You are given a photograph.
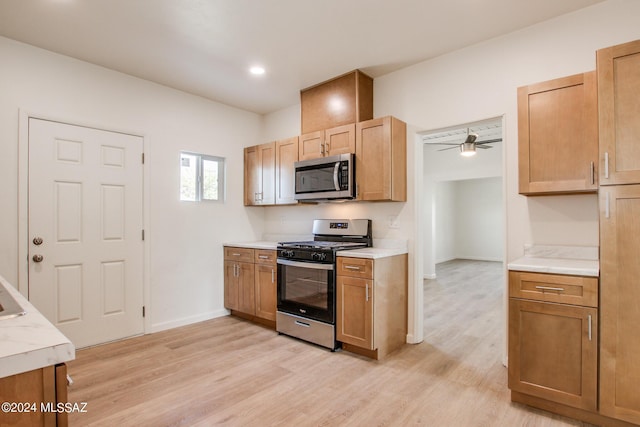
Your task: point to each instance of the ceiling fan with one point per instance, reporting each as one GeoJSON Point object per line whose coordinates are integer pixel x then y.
{"type": "Point", "coordinates": [468, 147]}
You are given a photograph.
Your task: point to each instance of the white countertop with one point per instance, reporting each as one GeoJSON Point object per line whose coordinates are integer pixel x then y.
{"type": "Point", "coordinates": [573, 261]}
{"type": "Point", "coordinates": [572, 267]}
{"type": "Point", "coordinates": [254, 245]}
{"type": "Point", "coordinates": [373, 253]}
{"type": "Point", "coordinates": [30, 342]}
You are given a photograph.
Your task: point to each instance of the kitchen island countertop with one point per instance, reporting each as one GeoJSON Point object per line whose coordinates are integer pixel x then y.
{"type": "Point", "coordinates": [30, 342]}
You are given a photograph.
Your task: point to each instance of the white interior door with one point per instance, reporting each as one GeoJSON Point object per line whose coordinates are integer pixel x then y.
{"type": "Point", "coordinates": [85, 230]}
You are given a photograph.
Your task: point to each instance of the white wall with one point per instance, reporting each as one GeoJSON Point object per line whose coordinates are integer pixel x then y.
{"type": "Point", "coordinates": [469, 221]}
{"type": "Point", "coordinates": [184, 240]}
{"type": "Point", "coordinates": [479, 219]}
{"type": "Point", "coordinates": [477, 83]}
{"type": "Point", "coordinates": [444, 232]}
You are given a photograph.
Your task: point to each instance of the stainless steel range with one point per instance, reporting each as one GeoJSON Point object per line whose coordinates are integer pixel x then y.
{"type": "Point", "coordinates": [307, 279]}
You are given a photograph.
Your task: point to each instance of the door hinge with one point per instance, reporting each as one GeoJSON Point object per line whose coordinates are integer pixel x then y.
{"type": "Point", "coordinates": [143, 158]}
{"type": "Point", "coordinates": [142, 234]}
{"type": "Point", "coordinates": [143, 311]}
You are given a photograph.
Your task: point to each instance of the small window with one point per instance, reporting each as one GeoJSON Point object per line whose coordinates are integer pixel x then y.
{"type": "Point", "coordinates": [201, 177]}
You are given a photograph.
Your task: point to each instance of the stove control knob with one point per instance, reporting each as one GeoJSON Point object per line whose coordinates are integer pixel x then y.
{"type": "Point", "coordinates": [318, 256]}
{"type": "Point", "coordinates": [287, 253]}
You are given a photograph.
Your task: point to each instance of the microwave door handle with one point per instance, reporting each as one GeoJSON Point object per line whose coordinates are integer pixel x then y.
{"type": "Point", "coordinates": [336, 170]}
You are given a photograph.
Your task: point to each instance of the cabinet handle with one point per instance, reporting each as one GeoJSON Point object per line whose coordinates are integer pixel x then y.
{"type": "Point", "coordinates": [357, 190]}
{"type": "Point", "coordinates": [236, 267]}
{"type": "Point", "coordinates": [326, 147]}
{"type": "Point", "coordinates": [235, 254]}
{"type": "Point", "coordinates": [606, 165]}
{"type": "Point", "coordinates": [352, 267]}
{"type": "Point", "coordinates": [593, 174]}
{"type": "Point", "coordinates": [607, 209]}
{"type": "Point", "coordinates": [263, 256]}
{"type": "Point", "coordinates": [322, 149]}
{"type": "Point", "coordinates": [273, 276]}
{"type": "Point", "coordinates": [589, 327]}
{"type": "Point", "coordinates": [366, 290]}
{"type": "Point", "coordinates": [549, 288]}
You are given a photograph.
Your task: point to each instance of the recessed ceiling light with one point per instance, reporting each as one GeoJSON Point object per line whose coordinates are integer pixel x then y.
{"type": "Point", "coordinates": [256, 70]}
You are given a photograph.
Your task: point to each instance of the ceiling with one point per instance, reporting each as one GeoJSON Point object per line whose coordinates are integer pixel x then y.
{"type": "Point", "coordinates": [205, 47]}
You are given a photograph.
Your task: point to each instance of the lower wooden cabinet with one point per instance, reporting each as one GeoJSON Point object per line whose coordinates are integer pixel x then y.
{"type": "Point", "coordinates": [45, 388]}
{"type": "Point", "coordinates": [553, 352]}
{"type": "Point", "coordinates": [371, 304]}
{"type": "Point", "coordinates": [250, 283]}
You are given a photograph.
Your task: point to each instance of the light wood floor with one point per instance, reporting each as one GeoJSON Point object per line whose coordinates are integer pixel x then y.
{"type": "Point", "coordinates": [231, 372]}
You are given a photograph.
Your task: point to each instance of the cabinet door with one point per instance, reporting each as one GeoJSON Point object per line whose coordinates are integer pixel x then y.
{"type": "Point", "coordinates": [265, 291]}
{"type": "Point", "coordinates": [267, 173]}
{"type": "Point", "coordinates": [355, 311]}
{"type": "Point", "coordinates": [239, 286]}
{"type": "Point", "coordinates": [553, 352]}
{"type": "Point", "coordinates": [259, 174]}
{"type": "Point", "coordinates": [620, 302]}
{"type": "Point", "coordinates": [252, 183]}
{"type": "Point", "coordinates": [381, 160]}
{"type": "Point", "coordinates": [286, 156]}
{"type": "Point", "coordinates": [340, 140]}
{"type": "Point", "coordinates": [246, 288]}
{"type": "Point", "coordinates": [558, 135]}
{"type": "Point", "coordinates": [231, 285]}
{"type": "Point", "coordinates": [619, 113]}
{"type": "Point", "coordinates": [311, 145]}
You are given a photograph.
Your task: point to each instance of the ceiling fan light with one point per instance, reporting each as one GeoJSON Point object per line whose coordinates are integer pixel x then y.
{"type": "Point", "coordinates": [467, 149]}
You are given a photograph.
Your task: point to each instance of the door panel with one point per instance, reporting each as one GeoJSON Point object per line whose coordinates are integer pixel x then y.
{"type": "Point", "coordinates": [85, 202]}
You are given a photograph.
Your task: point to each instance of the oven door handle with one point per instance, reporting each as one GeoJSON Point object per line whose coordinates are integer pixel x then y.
{"type": "Point", "coordinates": [312, 265]}
{"type": "Point", "coordinates": [336, 171]}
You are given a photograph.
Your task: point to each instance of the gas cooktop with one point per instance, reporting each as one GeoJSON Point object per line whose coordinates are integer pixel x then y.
{"type": "Point", "coordinates": [320, 245]}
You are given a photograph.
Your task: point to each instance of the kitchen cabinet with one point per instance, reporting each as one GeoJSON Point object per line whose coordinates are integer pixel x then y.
{"type": "Point", "coordinates": [619, 113]}
{"type": "Point", "coordinates": [553, 338]}
{"type": "Point", "coordinates": [239, 283]}
{"type": "Point", "coordinates": [371, 304]}
{"type": "Point", "coordinates": [286, 156]}
{"type": "Point", "coordinates": [260, 174]}
{"type": "Point", "coordinates": [250, 283]}
{"type": "Point", "coordinates": [44, 388]}
{"type": "Point", "coordinates": [342, 100]}
{"type": "Point", "coordinates": [265, 284]}
{"type": "Point", "coordinates": [620, 302]}
{"type": "Point", "coordinates": [329, 142]}
{"type": "Point", "coordinates": [558, 136]}
{"type": "Point", "coordinates": [381, 160]}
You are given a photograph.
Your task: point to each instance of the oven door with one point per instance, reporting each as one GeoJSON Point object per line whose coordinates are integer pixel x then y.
{"type": "Point", "coordinates": [307, 289]}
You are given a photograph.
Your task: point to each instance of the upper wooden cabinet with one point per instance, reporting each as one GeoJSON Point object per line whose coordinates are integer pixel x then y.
{"type": "Point", "coordinates": [286, 156]}
{"type": "Point", "coordinates": [619, 113]}
{"type": "Point", "coordinates": [381, 160]}
{"type": "Point", "coordinates": [330, 142]}
{"type": "Point", "coordinates": [260, 174]}
{"type": "Point", "coordinates": [336, 102]}
{"type": "Point", "coordinates": [558, 136]}
{"type": "Point", "coordinates": [269, 173]}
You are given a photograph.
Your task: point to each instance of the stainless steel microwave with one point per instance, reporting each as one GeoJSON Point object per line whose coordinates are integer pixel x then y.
{"type": "Point", "coordinates": [326, 178]}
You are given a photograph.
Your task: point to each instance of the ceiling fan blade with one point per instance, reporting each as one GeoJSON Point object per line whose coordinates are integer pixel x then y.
{"type": "Point", "coordinates": [443, 143]}
{"type": "Point", "coordinates": [450, 148]}
{"type": "Point", "coordinates": [484, 147]}
{"type": "Point", "coordinates": [490, 141]}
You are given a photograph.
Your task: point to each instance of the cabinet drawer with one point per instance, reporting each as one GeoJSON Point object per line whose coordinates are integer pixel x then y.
{"type": "Point", "coordinates": [265, 256]}
{"type": "Point", "coordinates": [238, 254]}
{"type": "Point", "coordinates": [355, 267]}
{"type": "Point", "coordinates": [575, 290]}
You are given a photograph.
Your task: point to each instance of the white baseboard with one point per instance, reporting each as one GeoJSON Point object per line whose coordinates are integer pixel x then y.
{"type": "Point", "coordinates": [163, 326]}
{"type": "Point", "coordinates": [479, 258]}
{"type": "Point", "coordinates": [430, 276]}
{"type": "Point", "coordinates": [411, 339]}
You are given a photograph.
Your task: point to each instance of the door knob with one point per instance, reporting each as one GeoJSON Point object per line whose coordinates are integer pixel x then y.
{"type": "Point", "coordinates": [37, 258]}
{"type": "Point", "coordinates": [37, 241]}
